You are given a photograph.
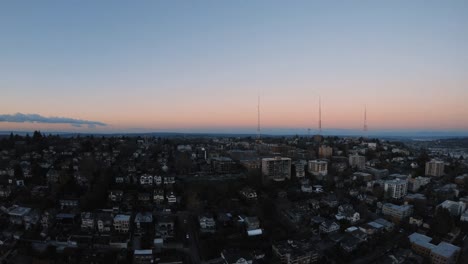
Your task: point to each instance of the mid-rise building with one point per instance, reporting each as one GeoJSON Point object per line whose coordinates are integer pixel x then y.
{"type": "Point", "coordinates": [396, 188]}
{"type": "Point", "coordinates": [455, 208]}
{"type": "Point", "coordinates": [318, 168]}
{"type": "Point", "coordinates": [397, 212]}
{"type": "Point", "coordinates": [357, 161]}
{"type": "Point", "coordinates": [325, 152]}
{"type": "Point", "coordinates": [295, 252]}
{"type": "Point", "coordinates": [122, 223]}
{"type": "Point", "coordinates": [223, 165]}
{"type": "Point", "coordinates": [435, 168]}
{"type": "Point", "coordinates": [276, 169]}
{"type": "Point", "coordinates": [300, 168]}
{"type": "Point", "coordinates": [415, 183]}
{"type": "Point", "coordinates": [443, 253]}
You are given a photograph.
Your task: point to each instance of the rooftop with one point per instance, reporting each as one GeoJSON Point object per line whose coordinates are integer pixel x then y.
{"type": "Point", "coordinates": [445, 249]}
{"type": "Point", "coordinates": [18, 211]}
{"type": "Point", "coordinates": [122, 217]}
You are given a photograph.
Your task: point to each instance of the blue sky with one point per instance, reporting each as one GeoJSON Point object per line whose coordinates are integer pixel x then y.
{"type": "Point", "coordinates": [199, 65]}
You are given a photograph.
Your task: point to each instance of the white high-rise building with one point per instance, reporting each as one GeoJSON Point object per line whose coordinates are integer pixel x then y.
{"type": "Point", "coordinates": [276, 169]}
{"type": "Point", "coordinates": [396, 188]}
{"type": "Point", "coordinates": [435, 168]}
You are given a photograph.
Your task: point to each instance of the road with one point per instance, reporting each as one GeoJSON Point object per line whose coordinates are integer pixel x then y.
{"type": "Point", "coordinates": [190, 226]}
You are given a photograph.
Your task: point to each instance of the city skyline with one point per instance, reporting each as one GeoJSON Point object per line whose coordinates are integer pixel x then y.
{"type": "Point", "coordinates": [198, 67]}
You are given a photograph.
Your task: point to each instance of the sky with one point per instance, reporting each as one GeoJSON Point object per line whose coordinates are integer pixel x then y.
{"type": "Point", "coordinates": [199, 66]}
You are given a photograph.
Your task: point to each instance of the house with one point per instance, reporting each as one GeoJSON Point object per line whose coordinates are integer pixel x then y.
{"type": "Point", "coordinates": [143, 256]}
{"type": "Point", "coordinates": [120, 179]}
{"type": "Point", "coordinates": [171, 198]}
{"type": "Point", "coordinates": [17, 214]}
{"type": "Point", "coordinates": [464, 216]}
{"type": "Point", "coordinates": [115, 195]}
{"type": "Point", "coordinates": [169, 180]}
{"type": "Point", "coordinates": [388, 226]}
{"type": "Point", "coordinates": [53, 176]}
{"type": "Point", "coordinates": [104, 222]}
{"type": "Point", "coordinates": [207, 223]}
{"type": "Point", "coordinates": [122, 223]}
{"type": "Point", "coordinates": [248, 193]}
{"type": "Point", "coordinates": [143, 221]}
{"type": "Point", "coordinates": [349, 243]}
{"type": "Point", "coordinates": [329, 226]}
{"type": "Point", "coordinates": [371, 228]}
{"type": "Point", "coordinates": [5, 192]}
{"type": "Point", "coordinates": [146, 179]}
{"type": "Point", "coordinates": [119, 241]}
{"type": "Point", "coordinates": [347, 212]}
{"type": "Point", "coordinates": [330, 200]}
{"type": "Point", "coordinates": [31, 219]}
{"type": "Point", "coordinates": [306, 188]}
{"type": "Point", "coordinates": [144, 197]}
{"type": "Point", "coordinates": [165, 226]}
{"type": "Point", "coordinates": [233, 256]}
{"type": "Point", "coordinates": [87, 221]}
{"type": "Point", "coordinates": [158, 180]}
{"type": "Point", "coordinates": [158, 196]}
{"type": "Point", "coordinates": [66, 219]}
{"type": "Point", "coordinates": [47, 219]}
{"type": "Point", "coordinates": [68, 203]}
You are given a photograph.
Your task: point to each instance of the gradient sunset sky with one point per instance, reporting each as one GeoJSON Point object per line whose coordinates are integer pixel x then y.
{"type": "Point", "coordinates": [198, 66]}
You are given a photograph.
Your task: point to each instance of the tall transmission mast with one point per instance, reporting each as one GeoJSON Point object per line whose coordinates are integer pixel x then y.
{"type": "Point", "coordinates": [365, 118]}
{"type": "Point", "coordinates": [258, 119]}
{"type": "Point", "coordinates": [320, 116]}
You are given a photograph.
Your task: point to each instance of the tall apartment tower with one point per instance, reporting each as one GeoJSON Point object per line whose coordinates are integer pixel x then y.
{"type": "Point", "coordinates": [276, 169]}
{"type": "Point", "coordinates": [435, 168]}
{"type": "Point", "coordinates": [325, 152]}
{"type": "Point", "coordinates": [357, 161]}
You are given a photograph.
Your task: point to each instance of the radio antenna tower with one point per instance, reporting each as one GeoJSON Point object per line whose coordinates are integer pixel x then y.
{"type": "Point", "coordinates": [320, 116]}
{"type": "Point", "coordinates": [258, 119]}
{"type": "Point", "coordinates": [365, 119]}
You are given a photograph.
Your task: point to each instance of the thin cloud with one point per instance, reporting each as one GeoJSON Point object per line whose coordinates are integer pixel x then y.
{"type": "Point", "coordinates": [35, 118]}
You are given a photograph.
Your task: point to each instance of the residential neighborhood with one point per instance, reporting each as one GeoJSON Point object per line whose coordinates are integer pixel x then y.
{"type": "Point", "coordinates": [297, 199]}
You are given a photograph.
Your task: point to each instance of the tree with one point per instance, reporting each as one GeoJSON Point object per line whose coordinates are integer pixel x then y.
{"type": "Point", "coordinates": [37, 136]}
{"type": "Point", "coordinates": [18, 172]}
